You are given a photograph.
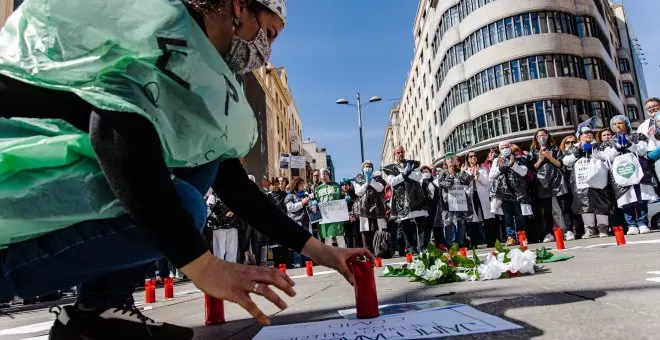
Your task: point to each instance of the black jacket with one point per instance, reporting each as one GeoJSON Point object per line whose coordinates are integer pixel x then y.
{"type": "Point", "coordinates": [407, 196]}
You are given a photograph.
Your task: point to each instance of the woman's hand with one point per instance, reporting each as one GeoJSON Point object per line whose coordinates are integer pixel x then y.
{"type": "Point", "coordinates": [235, 282]}
{"type": "Point", "coordinates": [336, 258]}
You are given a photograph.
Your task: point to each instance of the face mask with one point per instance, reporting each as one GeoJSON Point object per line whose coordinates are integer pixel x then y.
{"type": "Point", "coordinates": [367, 171]}
{"type": "Point", "coordinates": [506, 152]}
{"type": "Point", "coordinates": [542, 140]}
{"type": "Point", "coordinates": [426, 175]}
{"type": "Point", "coordinates": [245, 56]}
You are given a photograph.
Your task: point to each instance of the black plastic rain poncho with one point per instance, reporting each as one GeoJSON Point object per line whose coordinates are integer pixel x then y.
{"type": "Point", "coordinates": [407, 196]}
{"type": "Point", "coordinates": [587, 200]}
{"type": "Point", "coordinates": [372, 203]}
{"type": "Point", "coordinates": [508, 185]}
{"type": "Point", "coordinates": [548, 179]}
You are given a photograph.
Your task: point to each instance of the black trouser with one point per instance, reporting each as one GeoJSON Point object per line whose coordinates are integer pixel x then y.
{"type": "Point", "coordinates": [257, 244]}
{"type": "Point", "coordinates": [351, 235]}
{"type": "Point", "coordinates": [565, 202]}
{"type": "Point", "coordinates": [368, 239]}
{"type": "Point", "coordinates": [412, 231]}
{"type": "Point", "coordinates": [397, 240]}
{"type": "Point", "coordinates": [545, 207]}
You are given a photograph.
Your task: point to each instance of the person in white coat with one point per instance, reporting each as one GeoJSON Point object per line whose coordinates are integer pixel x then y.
{"type": "Point", "coordinates": [479, 191]}
{"type": "Point", "coordinates": [652, 106]}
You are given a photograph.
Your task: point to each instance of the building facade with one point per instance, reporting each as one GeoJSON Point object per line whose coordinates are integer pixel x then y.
{"type": "Point", "coordinates": [317, 156]}
{"type": "Point", "coordinates": [485, 71]}
{"type": "Point", "coordinates": [6, 8]}
{"type": "Point", "coordinates": [284, 128]}
{"type": "Point", "coordinates": [391, 137]}
{"type": "Point", "coordinates": [630, 66]}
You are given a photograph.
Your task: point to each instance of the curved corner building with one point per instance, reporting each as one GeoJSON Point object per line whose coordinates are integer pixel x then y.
{"type": "Point", "coordinates": [491, 70]}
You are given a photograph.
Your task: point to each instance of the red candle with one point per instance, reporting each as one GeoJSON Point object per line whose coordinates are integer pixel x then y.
{"type": "Point", "coordinates": [559, 238]}
{"type": "Point", "coordinates": [463, 252]}
{"type": "Point", "coordinates": [283, 267]}
{"type": "Point", "coordinates": [366, 299]}
{"type": "Point", "coordinates": [149, 291]}
{"type": "Point", "coordinates": [409, 258]}
{"type": "Point", "coordinates": [619, 236]}
{"type": "Point", "coordinates": [379, 262]}
{"type": "Point", "coordinates": [168, 285]}
{"type": "Point", "coordinates": [522, 239]}
{"type": "Point", "coordinates": [214, 310]}
{"type": "Point", "coordinates": [310, 268]}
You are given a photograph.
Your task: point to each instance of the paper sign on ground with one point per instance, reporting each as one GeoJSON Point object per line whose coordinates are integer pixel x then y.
{"type": "Point", "coordinates": [334, 211]}
{"type": "Point", "coordinates": [399, 308]}
{"type": "Point", "coordinates": [435, 323]}
{"type": "Point", "coordinates": [298, 162]}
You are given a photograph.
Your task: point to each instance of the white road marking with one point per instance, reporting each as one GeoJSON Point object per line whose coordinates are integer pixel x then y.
{"type": "Point", "coordinates": [654, 279]}
{"type": "Point", "coordinates": [654, 273]}
{"type": "Point", "coordinates": [33, 328]}
{"type": "Point", "coordinates": [43, 337]}
{"type": "Point", "coordinates": [315, 274]}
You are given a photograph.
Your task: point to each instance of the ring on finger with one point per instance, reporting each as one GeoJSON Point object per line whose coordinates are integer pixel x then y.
{"type": "Point", "coordinates": [255, 288]}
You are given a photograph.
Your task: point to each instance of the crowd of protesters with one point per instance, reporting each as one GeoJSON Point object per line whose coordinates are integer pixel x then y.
{"type": "Point", "coordinates": [575, 184]}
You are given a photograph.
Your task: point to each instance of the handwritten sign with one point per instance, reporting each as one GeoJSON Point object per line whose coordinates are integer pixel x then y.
{"type": "Point", "coordinates": [334, 211]}
{"type": "Point", "coordinates": [582, 173]}
{"type": "Point", "coordinates": [298, 162]}
{"type": "Point", "coordinates": [457, 199]}
{"type": "Point", "coordinates": [442, 322]}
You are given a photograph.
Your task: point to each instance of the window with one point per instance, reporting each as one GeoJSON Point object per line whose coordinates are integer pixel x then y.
{"type": "Point", "coordinates": [507, 74]}
{"type": "Point", "coordinates": [524, 70]}
{"type": "Point", "coordinates": [624, 65]}
{"type": "Point", "coordinates": [492, 29]}
{"type": "Point", "coordinates": [588, 69]}
{"type": "Point", "coordinates": [501, 35]}
{"type": "Point", "coordinates": [541, 64]}
{"type": "Point", "coordinates": [527, 29]}
{"type": "Point", "coordinates": [628, 89]}
{"type": "Point", "coordinates": [517, 23]}
{"type": "Point", "coordinates": [499, 77]}
{"type": "Point", "coordinates": [540, 116]}
{"type": "Point", "coordinates": [536, 28]}
{"type": "Point", "coordinates": [632, 112]}
{"type": "Point", "coordinates": [533, 72]}
{"type": "Point", "coordinates": [508, 23]}
{"type": "Point", "coordinates": [515, 71]}
{"type": "Point", "coordinates": [531, 116]}
{"type": "Point", "coordinates": [550, 66]}
{"type": "Point", "coordinates": [513, 117]}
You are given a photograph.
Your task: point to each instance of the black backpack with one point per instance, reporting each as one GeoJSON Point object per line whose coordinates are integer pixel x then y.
{"type": "Point", "coordinates": [383, 244]}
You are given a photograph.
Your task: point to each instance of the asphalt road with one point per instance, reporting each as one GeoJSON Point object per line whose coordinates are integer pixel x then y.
{"type": "Point", "coordinates": [604, 292]}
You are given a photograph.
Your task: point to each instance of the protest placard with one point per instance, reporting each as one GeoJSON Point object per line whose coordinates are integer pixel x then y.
{"type": "Point", "coordinates": [457, 198]}
{"type": "Point", "coordinates": [334, 211]}
{"type": "Point", "coordinates": [298, 162]}
{"type": "Point", "coordinates": [314, 212]}
{"type": "Point", "coordinates": [285, 160]}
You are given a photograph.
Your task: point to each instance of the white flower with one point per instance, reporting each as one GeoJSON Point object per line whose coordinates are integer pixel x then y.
{"type": "Point", "coordinates": [386, 270]}
{"type": "Point", "coordinates": [491, 269]}
{"type": "Point", "coordinates": [418, 267]}
{"type": "Point", "coordinates": [439, 263]}
{"type": "Point", "coordinates": [433, 273]}
{"type": "Point", "coordinates": [465, 276]}
{"type": "Point", "coordinates": [522, 262]}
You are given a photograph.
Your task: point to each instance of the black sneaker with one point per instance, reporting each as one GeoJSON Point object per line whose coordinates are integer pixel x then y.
{"type": "Point", "coordinates": [111, 324]}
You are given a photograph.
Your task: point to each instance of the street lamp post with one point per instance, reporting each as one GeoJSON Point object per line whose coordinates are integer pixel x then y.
{"type": "Point", "coordinates": [373, 99]}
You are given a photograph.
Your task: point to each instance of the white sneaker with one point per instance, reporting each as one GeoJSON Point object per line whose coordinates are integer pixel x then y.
{"type": "Point", "coordinates": [549, 238]}
{"type": "Point", "coordinates": [569, 236]}
{"type": "Point", "coordinates": [644, 229]}
{"type": "Point", "coordinates": [633, 231]}
{"type": "Point", "coordinates": [602, 232]}
{"type": "Point", "coordinates": [588, 233]}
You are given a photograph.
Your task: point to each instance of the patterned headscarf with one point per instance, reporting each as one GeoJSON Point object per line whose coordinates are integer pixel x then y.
{"type": "Point", "coordinates": [277, 6]}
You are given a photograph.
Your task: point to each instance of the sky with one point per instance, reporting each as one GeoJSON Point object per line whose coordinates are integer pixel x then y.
{"type": "Point", "coordinates": [334, 49]}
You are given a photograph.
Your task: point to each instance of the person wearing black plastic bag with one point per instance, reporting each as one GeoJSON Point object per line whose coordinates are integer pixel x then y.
{"type": "Point", "coordinates": [591, 200]}
{"type": "Point", "coordinates": [549, 182]}
{"type": "Point", "coordinates": [370, 187]}
{"type": "Point", "coordinates": [409, 204]}
{"type": "Point", "coordinates": [135, 153]}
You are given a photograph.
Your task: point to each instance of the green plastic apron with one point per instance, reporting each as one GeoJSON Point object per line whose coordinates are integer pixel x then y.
{"type": "Point", "coordinates": [144, 57]}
